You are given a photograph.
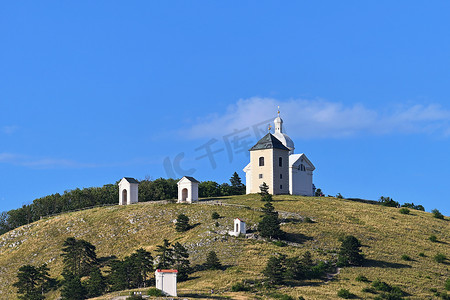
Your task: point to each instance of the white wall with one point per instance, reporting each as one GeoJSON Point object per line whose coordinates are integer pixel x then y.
{"type": "Point", "coordinates": [166, 282]}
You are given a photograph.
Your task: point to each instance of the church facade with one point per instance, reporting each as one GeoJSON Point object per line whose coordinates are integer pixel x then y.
{"type": "Point", "coordinates": [272, 160]}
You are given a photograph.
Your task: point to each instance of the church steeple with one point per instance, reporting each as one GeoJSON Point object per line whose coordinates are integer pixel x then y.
{"type": "Point", "coordinates": [278, 123]}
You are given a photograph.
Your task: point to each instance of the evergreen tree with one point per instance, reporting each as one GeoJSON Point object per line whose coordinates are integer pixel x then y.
{"type": "Point", "coordinates": [212, 261]}
{"type": "Point", "coordinates": [269, 226]}
{"type": "Point", "coordinates": [181, 261]}
{"type": "Point", "coordinates": [350, 252]}
{"type": "Point", "coordinates": [264, 192]}
{"type": "Point", "coordinates": [119, 275]}
{"type": "Point", "coordinates": [79, 257]}
{"type": "Point", "coordinates": [96, 284]}
{"type": "Point", "coordinates": [182, 223]}
{"type": "Point", "coordinates": [72, 288]}
{"type": "Point", "coordinates": [165, 256]}
{"type": "Point", "coordinates": [33, 282]}
{"type": "Point", "coordinates": [236, 185]}
{"type": "Point", "coordinates": [274, 270]}
{"type": "Point", "coordinates": [142, 265]}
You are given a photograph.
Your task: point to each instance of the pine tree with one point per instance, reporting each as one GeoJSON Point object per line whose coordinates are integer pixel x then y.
{"type": "Point", "coordinates": [165, 256]}
{"type": "Point", "coordinates": [182, 223]}
{"type": "Point", "coordinates": [181, 261]}
{"type": "Point", "coordinates": [27, 283]}
{"type": "Point", "coordinates": [119, 275]}
{"type": "Point", "coordinates": [212, 261]}
{"type": "Point", "coordinates": [96, 284]}
{"type": "Point", "coordinates": [142, 264]}
{"type": "Point", "coordinates": [236, 185]}
{"type": "Point", "coordinates": [264, 192]}
{"type": "Point", "coordinates": [269, 226]}
{"type": "Point", "coordinates": [72, 288]}
{"type": "Point", "coordinates": [274, 270]}
{"type": "Point", "coordinates": [350, 252]}
{"type": "Point", "coordinates": [79, 257]}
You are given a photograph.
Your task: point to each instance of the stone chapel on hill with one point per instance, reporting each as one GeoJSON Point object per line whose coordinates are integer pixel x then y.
{"type": "Point", "coordinates": [272, 160]}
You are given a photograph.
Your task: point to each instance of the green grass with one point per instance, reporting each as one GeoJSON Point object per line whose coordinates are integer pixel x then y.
{"type": "Point", "coordinates": [385, 234]}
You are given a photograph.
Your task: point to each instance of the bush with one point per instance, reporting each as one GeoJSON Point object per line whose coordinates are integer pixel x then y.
{"type": "Point", "coordinates": [381, 286]}
{"type": "Point", "coordinates": [440, 258]}
{"type": "Point", "coordinates": [413, 206]}
{"type": "Point", "coordinates": [447, 285]}
{"type": "Point", "coordinates": [217, 224]}
{"type": "Point", "coordinates": [344, 293]}
{"type": "Point", "coordinates": [215, 215]}
{"type": "Point", "coordinates": [155, 292]}
{"type": "Point", "coordinates": [368, 290]}
{"type": "Point", "coordinates": [279, 243]}
{"type": "Point", "coordinates": [362, 278]}
{"type": "Point", "coordinates": [421, 254]}
{"type": "Point", "coordinates": [437, 214]}
{"type": "Point", "coordinates": [404, 211]}
{"type": "Point", "coordinates": [182, 223]}
{"type": "Point", "coordinates": [308, 220]}
{"type": "Point", "coordinates": [433, 238]}
{"type": "Point", "coordinates": [387, 201]}
{"type": "Point", "coordinates": [239, 287]}
{"type": "Point", "coordinates": [406, 257]}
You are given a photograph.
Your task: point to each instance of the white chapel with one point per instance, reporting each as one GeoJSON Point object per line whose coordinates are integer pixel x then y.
{"type": "Point", "coordinates": [272, 160]}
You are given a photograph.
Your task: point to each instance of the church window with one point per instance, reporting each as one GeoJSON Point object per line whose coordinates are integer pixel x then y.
{"type": "Point", "coordinates": [281, 176]}
{"type": "Point", "coordinates": [261, 161]}
{"type": "Point", "coordinates": [260, 176]}
{"type": "Point", "coordinates": [280, 161]}
{"type": "Point", "coordinates": [281, 186]}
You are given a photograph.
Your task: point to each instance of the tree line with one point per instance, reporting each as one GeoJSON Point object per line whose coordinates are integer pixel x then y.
{"type": "Point", "coordinates": [149, 190]}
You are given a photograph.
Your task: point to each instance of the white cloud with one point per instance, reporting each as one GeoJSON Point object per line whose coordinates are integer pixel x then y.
{"type": "Point", "coordinates": [324, 119]}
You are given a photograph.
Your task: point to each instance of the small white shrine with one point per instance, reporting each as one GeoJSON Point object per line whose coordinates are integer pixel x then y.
{"type": "Point", "coordinates": [238, 227]}
{"type": "Point", "coordinates": [187, 190]}
{"type": "Point", "coordinates": [128, 191]}
{"type": "Point", "coordinates": [166, 281]}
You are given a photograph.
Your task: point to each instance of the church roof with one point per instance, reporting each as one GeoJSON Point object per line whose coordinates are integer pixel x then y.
{"type": "Point", "coordinates": [269, 142]}
{"type": "Point", "coordinates": [131, 180]}
{"type": "Point", "coordinates": [192, 179]}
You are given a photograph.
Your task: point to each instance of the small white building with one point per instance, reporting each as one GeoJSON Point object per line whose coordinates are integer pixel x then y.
{"type": "Point", "coordinates": [166, 281]}
{"type": "Point", "coordinates": [238, 227]}
{"type": "Point", "coordinates": [128, 191]}
{"type": "Point", "coordinates": [187, 190]}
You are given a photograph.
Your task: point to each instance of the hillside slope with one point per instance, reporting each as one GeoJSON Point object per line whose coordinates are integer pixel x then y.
{"type": "Point", "coordinates": [119, 230]}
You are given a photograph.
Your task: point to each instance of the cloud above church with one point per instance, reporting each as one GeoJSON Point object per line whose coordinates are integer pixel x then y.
{"type": "Point", "coordinates": [324, 119]}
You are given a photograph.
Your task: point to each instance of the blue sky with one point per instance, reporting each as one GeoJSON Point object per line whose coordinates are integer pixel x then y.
{"type": "Point", "coordinates": [91, 91]}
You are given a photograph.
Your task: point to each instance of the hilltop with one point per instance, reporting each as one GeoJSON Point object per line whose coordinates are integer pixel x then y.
{"type": "Point", "coordinates": [386, 235]}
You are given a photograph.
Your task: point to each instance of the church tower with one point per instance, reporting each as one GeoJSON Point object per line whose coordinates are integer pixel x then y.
{"type": "Point", "coordinates": [269, 163]}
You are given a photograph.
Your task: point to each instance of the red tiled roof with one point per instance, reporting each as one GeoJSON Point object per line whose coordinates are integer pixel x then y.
{"type": "Point", "coordinates": [167, 271]}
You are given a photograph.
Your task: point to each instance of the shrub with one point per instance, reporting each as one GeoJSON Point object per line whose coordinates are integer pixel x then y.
{"type": "Point", "coordinates": [155, 292]}
{"type": "Point", "coordinates": [217, 224]}
{"type": "Point", "coordinates": [437, 214]}
{"type": "Point", "coordinates": [344, 293]}
{"type": "Point", "coordinates": [308, 220]}
{"type": "Point", "coordinates": [404, 211]}
{"type": "Point", "coordinates": [368, 290]}
{"type": "Point", "coordinates": [447, 285]}
{"type": "Point", "coordinates": [381, 286]}
{"type": "Point", "coordinates": [212, 261]}
{"type": "Point", "coordinates": [182, 223]}
{"type": "Point", "coordinates": [421, 254]}
{"type": "Point", "coordinates": [433, 238]}
{"type": "Point", "coordinates": [279, 243]}
{"type": "Point", "coordinates": [239, 287]}
{"type": "Point", "coordinates": [215, 215]}
{"type": "Point", "coordinates": [406, 257]}
{"type": "Point", "coordinates": [440, 258]}
{"type": "Point", "coordinates": [362, 278]}
{"type": "Point", "coordinates": [413, 206]}
{"type": "Point", "coordinates": [350, 252]}
{"type": "Point", "coordinates": [387, 201]}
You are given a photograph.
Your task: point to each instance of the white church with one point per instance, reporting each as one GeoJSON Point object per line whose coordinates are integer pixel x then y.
{"type": "Point", "coordinates": [272, 160]}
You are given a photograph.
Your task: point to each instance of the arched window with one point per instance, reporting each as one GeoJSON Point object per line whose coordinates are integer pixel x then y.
{"type": "Point", "coordinates": [280, 161]}
{"type": "Point", "coordinates": [261, 161]}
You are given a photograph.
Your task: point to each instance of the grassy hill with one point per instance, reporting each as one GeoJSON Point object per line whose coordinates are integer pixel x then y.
{"type": "Point", "coordinates": [119, 230]}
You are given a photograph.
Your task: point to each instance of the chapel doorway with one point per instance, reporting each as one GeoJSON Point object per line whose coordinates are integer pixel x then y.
{"type": "Point", "coordinates": [184, 194]}
{"type": "Point", "coordinates": [124, 197]}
